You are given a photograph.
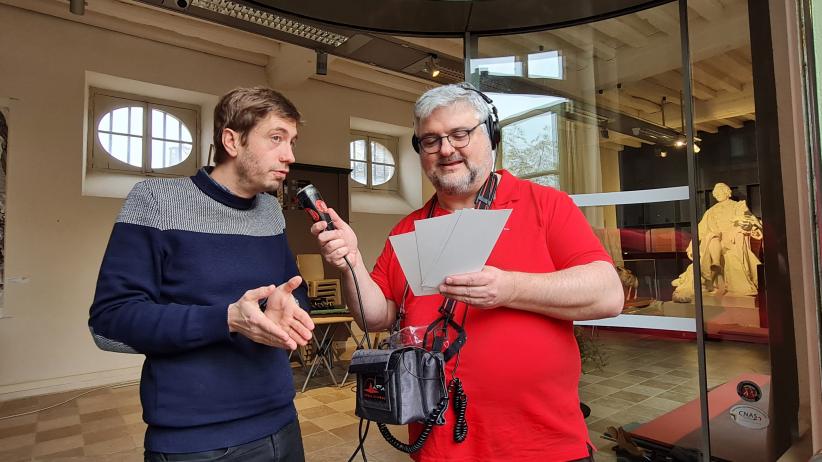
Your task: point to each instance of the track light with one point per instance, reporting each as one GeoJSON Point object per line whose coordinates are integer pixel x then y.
{"type": "Point", "coordinates": [322, 63]}
{"type": "Point", "coordinates": [77, 7]}
{"type": "Point", "coordinates": [433, 65]}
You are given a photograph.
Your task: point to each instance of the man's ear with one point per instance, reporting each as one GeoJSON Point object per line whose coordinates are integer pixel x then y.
{"type": "Point", "coordinates": [231, 142]}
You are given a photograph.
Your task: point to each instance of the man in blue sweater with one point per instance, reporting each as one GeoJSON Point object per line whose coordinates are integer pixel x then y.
{"type": "Point", "coordinates": [189, 265]}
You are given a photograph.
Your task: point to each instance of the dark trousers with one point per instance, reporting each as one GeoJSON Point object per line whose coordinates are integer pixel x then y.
{"type": "Point", "coordinates": [284, 446]}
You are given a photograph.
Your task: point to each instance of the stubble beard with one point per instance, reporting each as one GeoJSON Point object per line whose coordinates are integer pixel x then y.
{"type": "Point", "coordinates": [253, 175]}
{"type": "Point", "coordinates": [456, 183]}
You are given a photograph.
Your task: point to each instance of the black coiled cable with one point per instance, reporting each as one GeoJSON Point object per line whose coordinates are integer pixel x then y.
{"type": "Point", "coordinates": [460, 406]}
{"type": "Point", "coordinates": [424, 434]}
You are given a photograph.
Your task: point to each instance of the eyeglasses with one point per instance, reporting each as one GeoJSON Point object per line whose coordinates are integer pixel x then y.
{"type": "Point", "coordinates": [458, 139]}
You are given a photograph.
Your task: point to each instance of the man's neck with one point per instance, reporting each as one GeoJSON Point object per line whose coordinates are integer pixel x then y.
{"type": "Point", "coordinates": [453, 202]}
{"type": "Point", "coordinates": [228, 179]}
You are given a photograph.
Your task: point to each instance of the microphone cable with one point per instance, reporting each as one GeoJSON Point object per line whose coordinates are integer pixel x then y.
{"type": "Point", "coordinates": [362, 435]}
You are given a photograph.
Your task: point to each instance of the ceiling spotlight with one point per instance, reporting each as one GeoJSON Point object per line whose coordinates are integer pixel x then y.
{"type": "Point", "coordinates": [434, 65]}
{"type": "Point", "coordinates": [663, 154]}
{"type": "Point", "coordinates": [696, 148]}
{"type": "Point", "coordinates": [322, 63]}
{"type": "Point", "coordinates": [77, 6]}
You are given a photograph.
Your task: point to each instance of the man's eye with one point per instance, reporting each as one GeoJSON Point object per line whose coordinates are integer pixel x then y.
{"type": "Point", "coordinates": [459, 135]}
{"type": "Point", "coordinates": [277, 138]}
{"type": "Point", "coordinates": [429, 141]}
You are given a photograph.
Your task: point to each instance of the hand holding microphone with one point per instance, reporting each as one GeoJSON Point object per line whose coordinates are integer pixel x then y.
{"type": "Point", "coordinates": [313, 203]}
{"type": "Point", "coordinates": [340, 241]}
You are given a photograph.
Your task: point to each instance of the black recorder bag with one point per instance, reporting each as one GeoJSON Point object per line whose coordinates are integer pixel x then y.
{"type": "Point", "coordinates": [399, 386]}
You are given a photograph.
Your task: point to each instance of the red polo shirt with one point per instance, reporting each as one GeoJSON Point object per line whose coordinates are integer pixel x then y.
{"type": "Point", "coordinates": [520, 370]}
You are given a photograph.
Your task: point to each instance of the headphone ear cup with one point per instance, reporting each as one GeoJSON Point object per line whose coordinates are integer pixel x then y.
{"type": "Point", "coordinates": [415, 143]}
{"type": "Point", "coordinates": [493, 131]}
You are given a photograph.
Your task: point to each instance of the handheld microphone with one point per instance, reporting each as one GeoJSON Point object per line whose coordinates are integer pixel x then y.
{"type": "Point", "coordinates": [313, 203]}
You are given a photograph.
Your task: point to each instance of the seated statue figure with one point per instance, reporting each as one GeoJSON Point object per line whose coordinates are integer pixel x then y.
{"type": "Point", "coordinates": [728, 265]}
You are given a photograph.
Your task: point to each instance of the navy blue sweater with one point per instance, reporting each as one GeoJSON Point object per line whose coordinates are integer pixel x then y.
{"type": "Point", "coordinates": [180, 252]}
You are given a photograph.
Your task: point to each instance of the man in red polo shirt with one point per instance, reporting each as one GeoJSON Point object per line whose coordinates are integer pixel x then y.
{"type": "Point", "coordinates": [520, 366]}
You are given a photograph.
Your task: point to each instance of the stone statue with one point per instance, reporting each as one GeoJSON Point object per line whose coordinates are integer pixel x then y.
{"type": "Point", "coordinates": [728, 265]}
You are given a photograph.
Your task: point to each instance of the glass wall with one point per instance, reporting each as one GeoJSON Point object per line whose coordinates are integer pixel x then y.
{"type": "Point", "coordinates": [598, 111]}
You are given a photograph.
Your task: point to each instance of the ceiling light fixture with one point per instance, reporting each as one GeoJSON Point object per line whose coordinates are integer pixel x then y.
{"type": "Point", "coordinates": [432, 65]}
{"type": "Point", "coordinates": [270, 20]}
{"type": "Point", "coordinates": [77, 6]}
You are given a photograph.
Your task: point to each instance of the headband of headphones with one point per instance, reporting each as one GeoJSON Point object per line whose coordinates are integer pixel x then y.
{"type": "Point", "coordinates": [492, 122]}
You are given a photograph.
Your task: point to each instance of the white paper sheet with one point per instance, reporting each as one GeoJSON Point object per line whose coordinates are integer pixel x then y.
{"type": "Point", "coordinates": [469, 246]}
{"type": "Point", "coordinates": [433, 235]}
{"type": "Point", "coordinates": [460, 242]}
{"type": "Point", "coordinates": [405, 246]}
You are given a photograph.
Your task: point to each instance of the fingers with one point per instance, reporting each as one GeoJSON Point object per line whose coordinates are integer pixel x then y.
{"type": "Point", "coordinates": [338, 222]}
{"type": "Point", "coordinates": [304, 318]}
{"type": "Point", "coordinates": [291, 284]}
{"type": "Point", "coordinates": [299, 333]}
{"type": "Point", "coordinates": [318, 227]}
{"type": "Point", "coordinates": [259, 293]}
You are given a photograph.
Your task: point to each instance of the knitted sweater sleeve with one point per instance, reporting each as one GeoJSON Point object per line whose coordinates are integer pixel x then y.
{"type": "Point", "coordinates": [126, 315]}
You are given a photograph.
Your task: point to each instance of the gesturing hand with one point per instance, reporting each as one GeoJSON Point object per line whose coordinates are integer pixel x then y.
{"type": "Point", "coordinates": [489, 288]}
{"type": "Point", "coordinates": [282, 325]}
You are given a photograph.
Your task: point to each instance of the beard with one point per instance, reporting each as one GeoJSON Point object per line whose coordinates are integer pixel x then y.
{"type": "Point", "coordinates": [458, 183]}
{"type": "Point", "coordinates": [254, 175]}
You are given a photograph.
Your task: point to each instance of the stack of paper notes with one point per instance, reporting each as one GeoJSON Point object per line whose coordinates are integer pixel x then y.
{"type": "Point", "coordinates": [457, 243]}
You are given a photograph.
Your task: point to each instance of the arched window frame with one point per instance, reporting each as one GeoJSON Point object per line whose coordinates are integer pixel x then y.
{"type": "Point", "coordinates": [102, 102]}
{"type": "Point", "coordinates": [392, 144]}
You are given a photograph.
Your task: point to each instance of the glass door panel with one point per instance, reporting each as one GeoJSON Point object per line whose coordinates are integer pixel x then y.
{"type": "Point", "coordinates": [598, 111]}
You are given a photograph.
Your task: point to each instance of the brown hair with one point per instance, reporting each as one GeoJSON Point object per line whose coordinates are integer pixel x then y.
{"type": "Point", "coordinates": [241, 109]}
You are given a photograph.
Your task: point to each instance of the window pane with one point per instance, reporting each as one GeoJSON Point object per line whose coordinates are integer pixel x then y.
{"type": "Point", "coordinates": [381, 154]}
{"type": "Point", "coordinates": [531, 145]}
{"type": "Point", "coordinates": [381, 174]}
{"type": "Point", "coordinates": [136, 121]}
{"type": "Point", "coordinates": [358, 171]}
{"type": "Point", "coordinates": [547, 65]}
{"type": "Point", "coordinates": [502, 65]}
{"type": "Point", "coordinates": [135, 151]}
{"type": "Point", "coordinates": [119, 119]}
{"type": "Point", "coordinates": [168, 153]}
{"type": "Point", "coordinates": [547, 180]}
{"type": "Point", "coordinates": [120, 150]}
{"type": "Point", "coordinates": [357, 150]}
{"type": "Point", "coordinates": [172, 152]}
{"type": "Point", "coordinates": [157, 152]}
{"type": "Point", "coordinates": [157, 126]}
{"type": "Point", "coordinates": [105, 123]}
{"type": "Point", "coordinates": [172, 128]}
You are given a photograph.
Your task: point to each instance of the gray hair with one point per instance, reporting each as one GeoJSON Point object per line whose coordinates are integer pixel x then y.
{"type": "Point", "coordinates": [448, 95]}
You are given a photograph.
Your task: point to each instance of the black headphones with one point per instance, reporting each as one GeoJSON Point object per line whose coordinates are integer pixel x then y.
{"type": "Point", "coordinates": [492, 122]}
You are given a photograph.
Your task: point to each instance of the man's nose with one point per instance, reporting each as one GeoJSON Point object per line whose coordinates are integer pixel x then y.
{"type": "Point", "coordinates": [446, 149]}
{"type": "Point", "coordinates": [287, 155]}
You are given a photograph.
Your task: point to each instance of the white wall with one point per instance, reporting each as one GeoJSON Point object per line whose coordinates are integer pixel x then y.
{"type": "Point", "coordinates": [56, 236]}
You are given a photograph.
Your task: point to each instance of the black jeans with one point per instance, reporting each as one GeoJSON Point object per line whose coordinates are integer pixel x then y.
{"type": "Point", "coordinates": [284, 446]}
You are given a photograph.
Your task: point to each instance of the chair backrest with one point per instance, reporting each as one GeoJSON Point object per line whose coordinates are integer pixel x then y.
{"type": "Point", "coordinates": [311, 266]}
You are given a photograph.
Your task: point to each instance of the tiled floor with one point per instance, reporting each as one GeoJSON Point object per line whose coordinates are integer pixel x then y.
{"type": "Point", "coordinates": [644, 377]}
